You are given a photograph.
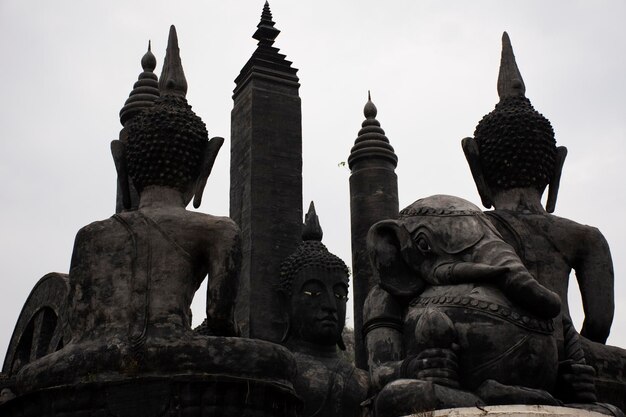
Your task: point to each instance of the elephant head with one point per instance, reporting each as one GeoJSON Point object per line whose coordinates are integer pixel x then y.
{"type": "Point", "coordinates": [445, 240]}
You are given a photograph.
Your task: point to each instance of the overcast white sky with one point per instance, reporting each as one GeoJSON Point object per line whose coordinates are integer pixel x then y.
{"type": "Point", "coordinates": [432, 67]}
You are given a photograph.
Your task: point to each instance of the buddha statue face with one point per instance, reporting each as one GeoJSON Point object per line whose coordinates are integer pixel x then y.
{"type": "Point", "coordinates": [318, 305]}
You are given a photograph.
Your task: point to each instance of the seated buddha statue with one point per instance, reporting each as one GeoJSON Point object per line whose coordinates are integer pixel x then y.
{"type": "Point", "coordinates": [513, 158]}
{"type": "Point", "coordinates": [314, 289]}
{"type": "Point", "coordinates": [133, 276]}
{"type": "Point", "coordinates": [458, 318]}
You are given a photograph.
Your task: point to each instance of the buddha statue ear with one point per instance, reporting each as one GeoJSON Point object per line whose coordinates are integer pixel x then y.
{"type": "Point", "coordinates": [472, 154]}
{"type": "Point", "coordinates": [118, 150]}
{"type": "Point", "coordinates": [206, 165]}
{"type": "Point", "coordinates": [553, 190]}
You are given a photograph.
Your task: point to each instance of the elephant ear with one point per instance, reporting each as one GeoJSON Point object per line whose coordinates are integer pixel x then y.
{"type": "Point", "coordinates": [392, 258]}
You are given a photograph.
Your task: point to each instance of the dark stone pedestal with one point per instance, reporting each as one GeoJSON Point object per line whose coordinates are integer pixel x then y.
{"type": "Point", "coordinates": [186, 396]}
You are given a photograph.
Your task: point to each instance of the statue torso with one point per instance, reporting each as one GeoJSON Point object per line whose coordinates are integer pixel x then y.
{"type": "Point", "coordinates": [133, 271]}
{"type": "Point", "coordinates": [549, 246]}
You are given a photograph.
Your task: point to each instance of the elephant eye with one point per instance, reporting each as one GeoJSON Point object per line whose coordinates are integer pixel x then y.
{"type": "Point", "coordinates": [423, 246]}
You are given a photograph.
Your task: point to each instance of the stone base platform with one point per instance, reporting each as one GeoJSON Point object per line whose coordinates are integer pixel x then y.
{"type": "Point", "coordinates": [511, 411]}
{"type": "Point", "coordinates": [160, 397]}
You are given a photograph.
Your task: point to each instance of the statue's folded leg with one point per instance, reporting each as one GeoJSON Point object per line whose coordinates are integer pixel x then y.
{"type": "Point", "coordinates": [495, 393]}
{"type": "Point", "coordinates": [408, 396]}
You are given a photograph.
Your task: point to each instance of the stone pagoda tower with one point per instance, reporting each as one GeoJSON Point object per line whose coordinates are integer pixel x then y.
{"type": "Point", "coordinates": [373, 197]}
{"type": "Point", "coordinates": [265, 177]}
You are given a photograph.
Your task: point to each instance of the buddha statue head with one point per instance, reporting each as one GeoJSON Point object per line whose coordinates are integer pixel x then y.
{"type": "Point", "coordinates": [513, 146]}
{"type": "Point", "coordinates": [314, 288]}
{"type": "Point", "coordinates": [167, 144]}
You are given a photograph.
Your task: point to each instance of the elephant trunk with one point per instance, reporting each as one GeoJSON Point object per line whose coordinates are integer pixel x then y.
{"type": "Point", "coordinates": [465, 272]}
{"type": "Point", "coordinates": [515, 281]}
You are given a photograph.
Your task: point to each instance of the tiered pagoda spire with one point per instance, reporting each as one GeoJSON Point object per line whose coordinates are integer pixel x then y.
{"type": "Point", "coordinates": [266, 33]}
{"type": "Point", "coordinates": [266, 61]}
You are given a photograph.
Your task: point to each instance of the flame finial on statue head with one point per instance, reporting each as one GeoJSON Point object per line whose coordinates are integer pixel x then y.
{"type": "Point", "coordinates": [510, 82]}
{"type": "Point", "coordinates": [516, 143]}
{"type": "Point", "coordinates": [311, 229]}
{"type": "Point", "coordinates": [172, 80]}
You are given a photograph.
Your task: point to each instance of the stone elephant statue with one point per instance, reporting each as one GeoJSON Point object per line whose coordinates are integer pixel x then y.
{"type": "Point", "coordinates": [456, 319]}
{"type": "Point", "coordinates": [445, 240]}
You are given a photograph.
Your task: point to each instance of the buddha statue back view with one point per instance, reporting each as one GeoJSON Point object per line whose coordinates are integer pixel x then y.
{"type": "Point", "coordinates": [513, 158]}
{"type": "Point", "coordinates": [133, 277]}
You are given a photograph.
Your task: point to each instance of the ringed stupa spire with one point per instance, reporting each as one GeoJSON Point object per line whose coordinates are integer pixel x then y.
{"type": "Point", "coordinates": [145, 91]}
{"type": "Point", "coordinates": [371, 141]}
{"type": "Point", "coordinates": [373, 197]}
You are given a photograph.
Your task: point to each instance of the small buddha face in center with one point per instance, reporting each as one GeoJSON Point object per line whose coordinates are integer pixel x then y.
{"type": "Point", "coordinates": [318, 305]}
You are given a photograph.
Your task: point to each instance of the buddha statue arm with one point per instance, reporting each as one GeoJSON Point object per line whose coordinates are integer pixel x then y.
{"type": "Point", "coordinates": [384, 345]}
{"type": "Point", "coordinates": [224, 268]}
{"type": "Point", "coordinates": [594, 272]}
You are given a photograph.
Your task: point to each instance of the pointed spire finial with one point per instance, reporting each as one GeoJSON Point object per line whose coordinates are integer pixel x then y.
{"type": "Point", "coordinates": [311, 229]}
{"type": "Point", "coordinates": [148, 61]}
{"type": "Point", "coordinates": [266, 32]}
{"type": "Point", "coordinates": [172, 80]}
{"type": "Point", "coordinates": [510, 82]}
{"type": "Point", "coordinates": [370, 111]}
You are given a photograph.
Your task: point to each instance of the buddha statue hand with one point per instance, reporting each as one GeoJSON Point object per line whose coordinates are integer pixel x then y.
{"type": "Point", "coordinates": [577, 382]}
{"type": "Point", "coordinates": [438, 365]}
